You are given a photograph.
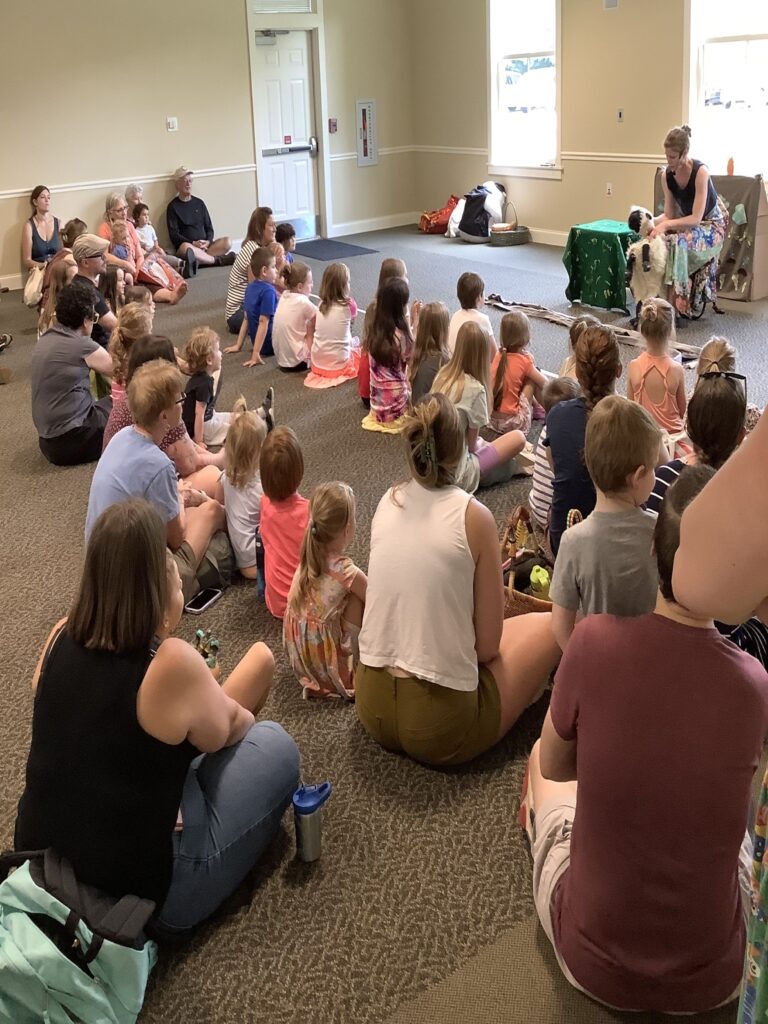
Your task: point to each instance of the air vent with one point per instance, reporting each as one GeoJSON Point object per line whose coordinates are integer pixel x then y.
{"type": "Point", "coordinates": [282, 6]}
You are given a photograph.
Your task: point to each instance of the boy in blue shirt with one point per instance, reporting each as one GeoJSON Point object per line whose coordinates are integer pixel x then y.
{"type": "Point", "coordinates": [260, 303]}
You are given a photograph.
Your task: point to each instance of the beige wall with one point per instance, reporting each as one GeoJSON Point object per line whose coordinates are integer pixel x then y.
{"type": "Point", "coordinates": [423, 61]}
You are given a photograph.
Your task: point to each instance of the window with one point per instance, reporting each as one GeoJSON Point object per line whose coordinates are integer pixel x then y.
{"type": "Point", "coordinates": [523, 49]}
{"type": "Point", "coordinates": [729, 114]}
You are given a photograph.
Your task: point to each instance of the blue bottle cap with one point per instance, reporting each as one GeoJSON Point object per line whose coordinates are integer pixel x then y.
{"type": "Point", "coordinates": [307, 799]}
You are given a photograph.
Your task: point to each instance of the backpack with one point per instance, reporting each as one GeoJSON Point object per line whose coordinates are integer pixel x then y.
{"type": "Point", "coordinates": [68, 951]}
{"type": "Point", "coordinates": [436, 221]}
{"type": "Point", "coordinates": [484, 206]}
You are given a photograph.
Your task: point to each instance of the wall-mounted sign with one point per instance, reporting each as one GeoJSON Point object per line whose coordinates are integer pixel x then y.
{"type": "Point", "coordinates": [367, 136]}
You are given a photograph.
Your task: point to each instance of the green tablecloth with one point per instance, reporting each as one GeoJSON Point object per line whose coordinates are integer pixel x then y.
{"type": "Point", "coordinates": [596, 263]}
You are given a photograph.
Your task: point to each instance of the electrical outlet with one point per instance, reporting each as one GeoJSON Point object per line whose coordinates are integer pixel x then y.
{"type": "Point", "coordinates": [620, 115]}
{"type": "Point", "coordinates": [608, 188]}
{"type": "Point", "coordinates": [172, 124]}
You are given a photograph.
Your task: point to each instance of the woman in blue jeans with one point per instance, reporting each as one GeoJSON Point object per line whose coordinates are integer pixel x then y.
{"type": "Point", "coordinates": [144, 772]}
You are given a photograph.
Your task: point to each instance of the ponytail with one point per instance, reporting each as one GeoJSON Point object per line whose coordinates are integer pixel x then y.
{"type": "Point", "coordinates": [598, 363]}
{"type": "Point", "coordinates": [434, 441]}
{"type": "Point", "coordinates": [331, 509]}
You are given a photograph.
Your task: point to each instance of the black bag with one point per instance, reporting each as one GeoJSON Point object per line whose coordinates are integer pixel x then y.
{"type": "Point", "coordinates": [476, 221]}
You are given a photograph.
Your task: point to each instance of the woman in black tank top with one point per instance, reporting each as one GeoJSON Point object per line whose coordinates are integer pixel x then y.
{"type": "Point", "coordinates": [693, 217]}
{"type": "Point", "coordinates": [123, 778]}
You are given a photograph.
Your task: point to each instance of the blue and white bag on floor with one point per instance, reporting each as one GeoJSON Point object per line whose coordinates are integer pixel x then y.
{"type": "Point", "coordinates": [68, 952]}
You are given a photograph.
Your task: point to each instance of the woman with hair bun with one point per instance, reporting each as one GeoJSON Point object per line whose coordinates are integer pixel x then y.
{"type": "Point", "coordinates": [442, 675]}
{"type": "Point", "coordinates": [696, 216]}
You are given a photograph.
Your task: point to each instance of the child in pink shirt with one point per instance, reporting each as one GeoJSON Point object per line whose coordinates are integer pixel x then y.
{"type": "Point", "coordinates": [655, 380]}
{"type": "Point", "coordinates": [284, 514]}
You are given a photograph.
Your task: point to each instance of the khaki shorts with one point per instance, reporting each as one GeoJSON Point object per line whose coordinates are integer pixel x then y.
{"type": "Point", "coordinates": [428, 722]}
{"type": "Point", "coordinates": [186, 563]}
{"type": "Point", "coordinates": [552, 856]}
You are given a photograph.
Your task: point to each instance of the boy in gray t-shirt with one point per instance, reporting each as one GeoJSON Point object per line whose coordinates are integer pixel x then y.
{"type": "Point", "coordinates": [605, 564]}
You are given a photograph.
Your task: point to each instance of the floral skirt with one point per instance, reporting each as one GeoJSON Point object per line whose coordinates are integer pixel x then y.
{"type": "Point", "coordinates": [690, 251]}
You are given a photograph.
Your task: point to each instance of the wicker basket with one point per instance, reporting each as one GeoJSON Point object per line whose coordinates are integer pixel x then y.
{"type": "Point", "coordinates": [518, 603]}
{"type": "Point", "coordinates": [509, 233]}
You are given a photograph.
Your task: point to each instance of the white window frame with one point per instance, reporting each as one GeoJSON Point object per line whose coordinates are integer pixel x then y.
{"type": "Point", "coordinates": [552, 171]}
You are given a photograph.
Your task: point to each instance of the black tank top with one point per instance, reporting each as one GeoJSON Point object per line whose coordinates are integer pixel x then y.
{"type": "Point", "coordinates": [42, 251]}
{"type": "Point", "coordinates": [99, 790]}
{"type": "Point", "coordinates": [685, 196]}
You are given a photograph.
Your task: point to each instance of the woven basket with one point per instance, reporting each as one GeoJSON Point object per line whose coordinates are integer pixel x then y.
{"type": "Point", "coordinates": [509, 233]}
{"type": "Point", "coordinates": [518, 603]}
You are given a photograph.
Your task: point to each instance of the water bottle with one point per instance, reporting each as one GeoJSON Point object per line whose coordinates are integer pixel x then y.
{"type": "Point", "coordinates": [307, 812]}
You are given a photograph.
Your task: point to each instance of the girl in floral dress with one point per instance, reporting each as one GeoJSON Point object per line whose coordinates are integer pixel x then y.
{"type": "Point", "coordinates": [326, 601]}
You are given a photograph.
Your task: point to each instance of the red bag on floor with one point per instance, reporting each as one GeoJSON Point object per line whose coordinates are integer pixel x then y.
{"type": "Point", "coordinates": [436, 222]}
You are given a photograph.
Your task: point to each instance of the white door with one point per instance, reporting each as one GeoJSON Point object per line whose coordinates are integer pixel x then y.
{"type": "Point", "coordinates": [284, 113]}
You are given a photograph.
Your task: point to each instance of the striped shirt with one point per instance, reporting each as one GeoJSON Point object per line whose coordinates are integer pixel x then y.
{"type": "Point", "coordinates": [540, 498]}
{"type": "Point", "coordinates": [238, 278]}
{"type": "Point", "coordinates": [665, 477]}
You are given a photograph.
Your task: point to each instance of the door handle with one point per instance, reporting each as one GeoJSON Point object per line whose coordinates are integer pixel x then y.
{"type": "Point", "coordinates": [313, 146]}
{"type": "Point", "coordinates": [310, 148]}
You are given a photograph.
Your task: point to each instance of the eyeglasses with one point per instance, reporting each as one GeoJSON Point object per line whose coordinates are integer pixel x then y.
{"type": "Point", "coordinates": [93, 317]}
{"type": "Point", "coordinates": [728, 374]}
{"type": "Point", "coordinates": [180, 401]}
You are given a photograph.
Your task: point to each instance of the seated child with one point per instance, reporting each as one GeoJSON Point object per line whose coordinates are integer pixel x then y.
{"type": "Point", "coordinates": [280, 263]}
{"type": "Point", "coordinates": [390, 267]}
{"type": "Point", "coordinates": [561, 389]}
{"type": "Point", "coordinates": [470, 290]}
{"type": "Point", "coordinates": [259, 304]}
{"type": "Point", "coordinates": [112, 287]}
{"type": "Point", "coordinates": [715, 428]}
{"type": "Point", "coordinates": [118, 245]}
{"type": "Point", "coordinates": [429, 349]}
{"type": "Point", "coordinates": [719, 355]}
{"type": "Point", "coordinates": [322, 623]}
{"type": "Point", "coordinates": [133, 322]}
{"type": "Point", "coordinates": [514, 377]}
{"type": "Point", "coordinates": [598, 367]}
{"type": "Point", "coordinates": [605, 564]}
{"type": "Point", "coordinates": [240, 482]}
{"type": "Point", "coordinates": [285, 234]}
{"type": "Point", "coordinates": [284, 514]}
{"type": "Point", "coordinates": [653, 733]}
{"type": "Point", "coordinates": [148, 237]}
{"type": "Point", "coordinates": [202, 354]}
{"type": "Point", "coordinates": [335, 353]}
{"type": "Point", "coordinates": [293, 329]}
{"type": "Point", "coordinates": [390, 345]}
{"type": "Point", "coordinates": [141, 294]}
{"type": "Point", "coordinates": [568, 368]}
{"type": "Point", "coordinates": [654, 379]}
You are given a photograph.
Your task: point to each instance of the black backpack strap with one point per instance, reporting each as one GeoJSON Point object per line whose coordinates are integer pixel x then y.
{"type": "Point", "coordinates": [12, 859]}
{"type": "Point", "coordinates": [126, 921]}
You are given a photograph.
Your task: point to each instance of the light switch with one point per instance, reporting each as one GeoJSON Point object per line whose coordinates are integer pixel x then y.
{"type": "Point", "coordinates": [172, 124]}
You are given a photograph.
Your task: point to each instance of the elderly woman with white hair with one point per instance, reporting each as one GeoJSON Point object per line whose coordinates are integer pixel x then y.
{"type": "Point", "coordinates": [134, 194]}
{"type": "Point", "coordinates": [165, 283]}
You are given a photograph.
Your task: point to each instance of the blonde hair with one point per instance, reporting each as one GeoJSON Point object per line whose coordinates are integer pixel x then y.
{"type": "Point", "coordinates": [58, 280]}
{"type": "Point", "coordinates": [331, 509]}
{"type": "Point", "coordinates": [717, 354]}
{"type": "Point", "coordinates": [621, 437]}
{"type": "Point", "coordinates": [199, 348]}
{"type": "Point", "coordinates": [578, 325]}
{"type": "Point", "coordinates": [334, 287]}
{"type": "Point", "coordinates": [121, 226]}
{"type": "Point", "coordinates": [515, 335]}
{"type": "Point", "coordinates": [277, 250]}
{"type": "Point", "coordinates": [431, 336]}
{"type": "Point", "coordinates": [246, 434]}
{"type": "Point", "coordinates": [154, 387]}
{"type": "Point", "coordinates": [134, 320]}
{"type": "Point", "coordinates": [295, 274]}
{"type": "Point", "coordinates": [678, 139]}
{"type": "Point", "coordinates": [657, 321]}
{"type": "Point", "coordinates": [434, 442]}
{"type": "Point", "coordinates": [470, 357]}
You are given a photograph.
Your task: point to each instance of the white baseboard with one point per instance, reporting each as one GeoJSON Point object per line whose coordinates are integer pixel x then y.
{"type": "Point", "coordinates": [357, 227]}
{"type": "Point", "coordinates": [546, 237]}
{"type": "Point", "coordinates": [12, 281]}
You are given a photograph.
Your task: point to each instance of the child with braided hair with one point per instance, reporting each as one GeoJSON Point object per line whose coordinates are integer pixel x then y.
{"type": "Point", "coordinates": [322, 622]}
{"type": "Point", "coordinates": [598, 367]}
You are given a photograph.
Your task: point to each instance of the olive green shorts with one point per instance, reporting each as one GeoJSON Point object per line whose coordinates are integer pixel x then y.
{"type": "Point", "coordinates": [186, 563]}
{"type": "Point", "coordinates": [428, 722]}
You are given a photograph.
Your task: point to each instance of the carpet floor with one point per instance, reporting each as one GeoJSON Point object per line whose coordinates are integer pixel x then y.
{"type": "Point", "coordinates": [420, 909]}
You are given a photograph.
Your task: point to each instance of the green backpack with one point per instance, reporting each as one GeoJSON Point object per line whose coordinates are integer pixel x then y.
{"type": "Point", "coordinates": [67, 951]}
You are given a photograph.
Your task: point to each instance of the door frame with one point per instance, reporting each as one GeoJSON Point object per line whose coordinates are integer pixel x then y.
{"type": "Point", "coordinates": [313, 25]}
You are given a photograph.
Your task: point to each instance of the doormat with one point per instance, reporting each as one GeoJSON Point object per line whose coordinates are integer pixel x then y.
{"type": "Point", "coordinates": [328, 249]}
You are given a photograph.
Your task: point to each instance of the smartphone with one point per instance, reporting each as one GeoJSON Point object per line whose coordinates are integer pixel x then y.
{"type": "Point", "coordinates": [203, 600]}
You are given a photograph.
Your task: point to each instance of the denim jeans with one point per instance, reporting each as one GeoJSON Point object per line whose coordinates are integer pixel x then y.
{"type": "Point", "coordinates": [235, 322]}
{"type": "Point", "coordinates": [231, 809]}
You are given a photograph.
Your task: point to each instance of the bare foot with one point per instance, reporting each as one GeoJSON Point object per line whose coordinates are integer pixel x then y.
{"type": "Point", "coordinates": [232, 348]}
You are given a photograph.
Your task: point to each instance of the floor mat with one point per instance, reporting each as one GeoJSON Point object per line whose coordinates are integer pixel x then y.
{"type": "Point", "coordinates": [328, 250]}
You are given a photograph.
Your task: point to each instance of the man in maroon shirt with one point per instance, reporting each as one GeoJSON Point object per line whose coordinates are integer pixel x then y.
{"type": "Point", "coordinates": [642, 883]}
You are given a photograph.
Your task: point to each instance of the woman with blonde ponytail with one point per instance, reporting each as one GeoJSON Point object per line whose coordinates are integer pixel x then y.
{"type": "Point", "coordinates": [322, 623]}
{"type": "Point", "coordinates": [442, 676]}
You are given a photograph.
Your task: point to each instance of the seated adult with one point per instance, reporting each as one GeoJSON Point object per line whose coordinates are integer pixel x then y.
{"type": "Point", "coordinates": [197, 467]}
{"type": "Point", "coordinates": [133, 466]}
{"type": "Point", "coordinates": [134, 194]}
{"type": "Point", "coordinates": [166, 285]}
{"type": "Point", "coordinates": [90, 254]}
{"type": "Point", "coordinates": [129, 736]}
{"type": "Point", "coordinates": [661, 722]}
{"type": "Point", "coordinates": [190, 228]}
{"type": "Point", "coordinates": [71, 230]}
{"type": "Point", "coordinates": [69, 424]}
{"type": "Point", "coordinates": [261, 232]}
{"type": "Point", "coordinates": [695, 217]}
{"type": "Point", "coordinates": [40, 235]}
{"type": "Point", "coordinates": [442, 675]}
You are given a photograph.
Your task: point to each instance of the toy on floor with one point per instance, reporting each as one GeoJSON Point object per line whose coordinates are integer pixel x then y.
{"type": "Point", "coordinates": [646, 260]}
{"type": "Point", "coordinates": [207, 644]}
{"type": "Point", "coordinates": [523, 552]}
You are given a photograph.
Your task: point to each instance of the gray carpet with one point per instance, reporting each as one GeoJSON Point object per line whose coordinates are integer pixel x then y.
{"type": "Point", "coordinates": [425, 876]}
